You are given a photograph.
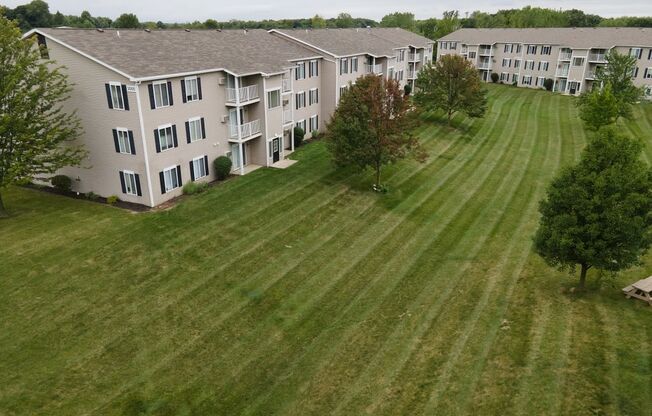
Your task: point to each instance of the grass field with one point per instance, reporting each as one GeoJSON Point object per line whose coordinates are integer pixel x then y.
{"type": "Point", "coordinates": [299, 292]}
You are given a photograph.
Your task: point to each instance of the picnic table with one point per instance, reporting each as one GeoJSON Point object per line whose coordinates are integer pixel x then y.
{"type": "Point", "coordinates": [640, 290]}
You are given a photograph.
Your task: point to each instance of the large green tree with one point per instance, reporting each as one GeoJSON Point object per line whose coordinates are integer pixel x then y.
{"type": "Point", "coordinates": [453, 85]}
{"type": "Point", "coordinates": [317, 22]}
{"type": "Point", "coordinates": [618, 73]}
{"type": "Point", "coordinates": [35, 131]}
{"type": "Point", "coordinates": [127, 21]}
{"type": "Point", "coordinates": [399, 19]}
{"type": "Point", "coordinates": [372, 126]}
{"type": "Point", "coordinates": [597, 213]}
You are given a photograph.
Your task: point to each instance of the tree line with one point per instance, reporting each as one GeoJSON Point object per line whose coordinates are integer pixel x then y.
{"type": "Point", "coordinates": [37, 14]}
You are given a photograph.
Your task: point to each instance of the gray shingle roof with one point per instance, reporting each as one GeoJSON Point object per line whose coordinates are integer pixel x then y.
{"type": "Point", "coordinates": [581, 38]}
{"type": "Point", "coordinates": [343, 42]}
{"type": "Point", "coordinates": [162, 52]}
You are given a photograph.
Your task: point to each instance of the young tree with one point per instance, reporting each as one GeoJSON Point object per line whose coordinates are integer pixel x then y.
{"type": "Point", "coordinates": [372, 126]}
{"type": "Point", "coordinates": [344, 20]}
{"type": "Point", "coordinates": [618, 72]}
{"type": "Point", "coordinates": [451, 84]}
{"type": "Point", "coordinates": [599, 108]}
{"type": "Point", "coordinates": [34, 129]}
{"type": "Point", "coordinates": [317, 22]}
{"type": "Point", "coordinates": [597, 213]}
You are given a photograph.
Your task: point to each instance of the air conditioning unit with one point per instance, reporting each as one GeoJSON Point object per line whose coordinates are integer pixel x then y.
{"type": "Point", "coordinates": [225, 118]}
{"type": "Point", "coordinates": [221, 81]}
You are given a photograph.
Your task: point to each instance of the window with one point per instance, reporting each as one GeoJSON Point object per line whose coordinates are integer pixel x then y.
{"type": "Point", "coordinates": [546, 50]}
{"type": "Point", "coordinates": [344, 66]}
{"type": "Point", "coordinates": [532, 49]}
{"type": "Point", "coordinates": [517, 63]}
{"type": "Point", "coordinates": [527, 80]}
{"type": "Point", "coordinates": [400, 55]}
{"type": "Point", "coordinates": [390, 73]}
{"type": "Point", "coordinates": [636, 53]}
{"type": "Point", "coordinates": [130, 183]}
{"type": "Point", "coordinates": [507, 62]}
{"type": "Point", "coordinates": [302, 125]}
{"type": "Point", "coordinates": [199, 167]}
{"type": "Point", "coordinates": [273, 99]}
{"type": "Point", "coordinates": [635, 72]}
{"type": "Point", "coordinates": [116, 95]}
{"type": "Point", "coordinates": [506, 49]}
{"type": "Point", "coordinates": [313, 96]}
{"type": "Point", "coordinates": [518, 48]}
{"type": "Point", "coordinates": [453, 45]}
{"type": "Point", "coordinates": [400, 75]}
{"type": "Point", "coordinates": [166, 138]}
{"type": "Point", "coordinates": [124, 141]}
{"type": "Point", "coordinates": [343, 89]}
{"type": "Point", "coordinates": [514, 78]}
{"type": "Point", "coordinates": [648, 73]}
{"type": "Point", "coordinates": [161, 94]}
{"type": "Point", "coordinates": [300, 72]}
{"type": "Point", "coordinates": [191, 89]}
{"type": "Point", "coordinates": [444, 45]}
{"type": "Point", "coordinates": [540, 81]}
{"type": "Point", "coordinates": [504, 76]}
{"type": "Point", "coordinates": [300, 99]}
{"type": "Point", "coordinates": [314, 123]}
{"type": "Point", "coordinates": [529, 64]}
{"type": "Point", "coordinates": [543, 66]}
{"type": "Point", "coordinates": [471, 55]}
{"type": "Point", "coordinates": [170, 179]}
{"type": "Point", "coordinates": [354, 65]}
{"type": "Point", "coordinates": [578, 61]}
{"type": "Point", "coordinates": [313, 69]}
{"type": "Point", "coordinates": [195, 129]}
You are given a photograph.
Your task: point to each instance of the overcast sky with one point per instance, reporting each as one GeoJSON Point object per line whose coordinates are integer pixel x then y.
{"type": "Point", "coordinates": [190, 10]}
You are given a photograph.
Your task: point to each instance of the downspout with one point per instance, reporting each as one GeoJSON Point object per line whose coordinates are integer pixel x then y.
{"type": "Point", "coordinates": [145, 154]}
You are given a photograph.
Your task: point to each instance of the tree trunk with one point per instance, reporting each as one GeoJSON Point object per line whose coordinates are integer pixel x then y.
{"type": "Point", "coordinates": [583, 270]}
{"type": "Point", "coordinates": [450, 116]}
{"type": "Point", "coordinates": [377, 174]}
{"type": "Point", "coordinates": [3, 211]}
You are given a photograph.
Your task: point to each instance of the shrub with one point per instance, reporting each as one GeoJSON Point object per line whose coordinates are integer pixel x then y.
{"type": "Point", "coordinates": [111, 199]}
{"type": "Point", "coordinates": [407, 89]}
{"type": "Point", "coordinates": [192, 188]}
{"type": "Point", "coordinates": [61, 182]}
{"type": "Point", "coordinates": [298, 136]}
{"type": "Point", "coordinates": [315, 134]}
{"type": "Point", "coordinates": [92, 196]}
{"type": "Point", "coordinates": [222, 167]}
{"type": "Point", "coordinates": [515, 84]}
{"type": "Point", "coordinates": [494, 77]}
{"type": "Point", "coordinates": [548, 84]}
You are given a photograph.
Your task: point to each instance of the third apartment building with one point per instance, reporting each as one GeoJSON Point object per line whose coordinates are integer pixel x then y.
{"type": "Point", "coordinates": [568, 56]}
{"type": "Point", "coordinates": [158, 107]}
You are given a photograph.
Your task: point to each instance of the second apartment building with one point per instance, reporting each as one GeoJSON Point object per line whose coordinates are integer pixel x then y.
{"type": "Point", "coordinates": [568, 56]}
{"type": "Point", "coordinates": [158, 107]}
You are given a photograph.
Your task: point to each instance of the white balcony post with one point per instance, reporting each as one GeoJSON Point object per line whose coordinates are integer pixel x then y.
{"type": "Point", "coordinates": [238, 123]}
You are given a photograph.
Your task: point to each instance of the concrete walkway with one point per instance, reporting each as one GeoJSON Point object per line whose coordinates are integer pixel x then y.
{"type": "Point", "coordinates": [282, 164]}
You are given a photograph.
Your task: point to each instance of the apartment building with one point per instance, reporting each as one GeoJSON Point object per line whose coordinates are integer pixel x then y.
{"type": "Point", "coordinates": [158, 107]}
{"type": "Point", "coordinates": [568, 56]}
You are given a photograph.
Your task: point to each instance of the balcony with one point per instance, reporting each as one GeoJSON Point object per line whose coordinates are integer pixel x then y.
{"type": "Point", "coordinates": [562, 72]}
{"type": "Point", "coordinates": [565, 56]}
{"type": "Point", "coordinates": [484, 51]}
{"type": "Point", "coordinates": [247, 130]}
{"type": "Point", "coordinates": [247, 94]}
{"type": "Point", "coordinates": [287, 85]}
{"type": "Point", "coordinates": [411, 74]}
{"type": "Point", "coordinates": [598, 57]}
{"type": "Point", "coordinates": [590, 75]}
{"type": "Point", "coordinates": [374, 69]}
{"type": "Point", "coordinates": [415, 57]}
{"type": "Point", "coordinates": [287, 116]}
{"type": "Point", "coordinates": [484, 65]}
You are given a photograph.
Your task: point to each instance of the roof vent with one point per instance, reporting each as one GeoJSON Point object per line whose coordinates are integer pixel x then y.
{"type": "Point", "coordinates": [117, 32]}
{"type": "Point", "coordinates": [99, 29]}
{"type": "Point", "coordinates": [245, 31]}
{"type": "Point", "coordinates": [148, 30]}
{"type": "Point", "coordinates": [187, 30]}
{"type": "Point", "coordinates": [219, 30]}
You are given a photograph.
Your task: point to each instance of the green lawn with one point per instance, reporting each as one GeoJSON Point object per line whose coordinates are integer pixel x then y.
{"type": "Point", "coordinates": [300, 292]}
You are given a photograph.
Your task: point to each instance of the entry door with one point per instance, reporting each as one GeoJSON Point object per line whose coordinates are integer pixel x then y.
{"type": "Point", "coordinates": [276, 149]}
{"type": "Point", "coordinates": [235, 155]}
{"type": "Point", "coordinates": [572, 88]}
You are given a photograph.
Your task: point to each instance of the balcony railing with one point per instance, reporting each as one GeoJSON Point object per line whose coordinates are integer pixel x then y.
{"type": "Point", "coordinates": [411, 74]}
{"type": "Point", "coordinates": [287, 116]}
{"type": "Point", "coordinates": [484, 65]}
{"type": "Point", "coordinates": [414, 56]}
{"type": "Point", "coordinates": [287, 84]}
{"type": "Point", "coordinates": [590, 75]}
{"type": "Point", "coordinates": [562, 72]}
{"type": "Point", "coordinates": [565, 56]}
{"type": "Point", "coordinates": [598, 57]}
{"type": "Point", "coordinates": [246, 94]}
{"type": "Point", "coordinates": [374, 69]}
{"type": "Point", "coordinates": [485, 51]}
{"type": "Point", "coordinates": [246, 130]}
